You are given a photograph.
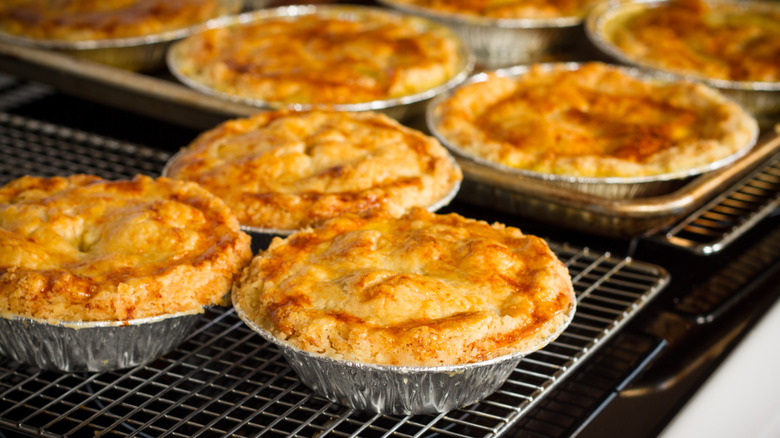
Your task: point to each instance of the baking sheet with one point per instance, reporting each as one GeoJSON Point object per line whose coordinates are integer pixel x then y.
{"type": "Point", "coordinates": [612, 217]}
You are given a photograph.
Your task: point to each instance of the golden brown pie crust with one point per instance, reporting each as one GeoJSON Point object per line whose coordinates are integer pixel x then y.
{"type": "Point", "coordinates": [724, 40]}
{"type": "Point", "coordinates": [81, 248]}
{"type": "Point", "coordinates": [421, 290]}
{"type": "Point", "coordinates": [595, 120]}
{"type": "Point", "coordinates": [506, 9]}
{"type": "Point", "coordinates": [286, 170]}
{"type": "Point", "coordinates": [86, 20]}
{"type": "Point", "coordinates": [322, 58]}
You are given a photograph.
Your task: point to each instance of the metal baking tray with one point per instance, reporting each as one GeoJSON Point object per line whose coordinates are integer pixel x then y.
{"type": "Point", "coordinates": [727, 216]}
{"type": "Point", "coordinates": [155, 95]}
{"type": "Point", "coordinates": [593, 214]}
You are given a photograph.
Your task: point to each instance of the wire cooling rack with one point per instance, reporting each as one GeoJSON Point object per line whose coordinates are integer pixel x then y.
{"type": "Point", "coordinates": [225, 380]}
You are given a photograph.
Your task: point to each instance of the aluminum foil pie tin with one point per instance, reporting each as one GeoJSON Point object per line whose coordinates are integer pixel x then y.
{"type": "Point", "coordinates": [399, 108]}
{"type": "Point", "coordinates": [399, 390]}
{"type": "Point", "coordinates": [498, 43]}
{"type": "Point", "coordinates": [142, 53]}
{"type": "Point", "coordinates": [762, 99]}
{"type": "Point", "coordinates": [604, 187]}
{"type": "Point", "coordinates": [93, 346]}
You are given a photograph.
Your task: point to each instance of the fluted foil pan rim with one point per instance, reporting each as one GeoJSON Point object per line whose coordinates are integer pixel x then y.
{"type": "Point", "coordinates": [404, 390]}
{"type": "Point", "coordinates": [93, 346]}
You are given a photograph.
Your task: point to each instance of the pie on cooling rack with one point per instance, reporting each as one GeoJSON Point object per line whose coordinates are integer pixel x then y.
{"type": "Point", "coordinates": [80, 248]}
{"type": "Point", "coordinates": [592, 120]}
{"type": "Point", "coordinates": [420, 290]}
{"type": "Point", "coordinates": [737, 41]}
{"type": "Point", "coordinates": [87, 20]}
{"type": "Point", "coordinates": [285, 170]}
{"type": "Point", "coordinates": [505, 9]}
{"type": "Point", "coordinates": [336, 55]}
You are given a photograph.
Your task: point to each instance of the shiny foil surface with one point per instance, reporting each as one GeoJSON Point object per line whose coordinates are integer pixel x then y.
{"type": "Point", "coordinates": [498, 43]}
{"type": "Point", "coordinates": [92, 346]}
{"type": "Point", "coordinates": [399, 390]}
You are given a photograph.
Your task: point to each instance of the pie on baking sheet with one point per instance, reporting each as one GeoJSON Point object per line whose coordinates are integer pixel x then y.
{"type": "Point", "coordinates": [592, 120]}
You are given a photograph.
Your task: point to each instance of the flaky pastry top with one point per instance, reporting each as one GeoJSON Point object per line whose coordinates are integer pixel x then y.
{"type": "Point", "coordinates": [87, 20]}
{"type": "Point", "coordinates": [506, 9]}
{"type": "Point", "coordinates": [81, 248]}
{"type": "Point", "coordinates": [719, 40]}
{"type": "Point", "coordinates": [285, 170]}
{"type": "Point", "coordinates": [421, 290]}
{"type": "Point", "coordinates": [325, 58]}
{"type": "Point", "coordinates": [594, 120]}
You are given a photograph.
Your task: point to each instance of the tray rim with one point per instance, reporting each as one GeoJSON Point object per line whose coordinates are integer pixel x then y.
{"type": "Point", "coordinates": [649, 213]}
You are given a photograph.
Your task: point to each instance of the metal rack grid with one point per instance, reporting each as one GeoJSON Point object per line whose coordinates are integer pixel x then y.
{"type": "Point", "coordinates": [31, 147]}
{"type": "Point", "coordinates": [721, 221]}
{"type": "Point", "coordinates": [226, 380]}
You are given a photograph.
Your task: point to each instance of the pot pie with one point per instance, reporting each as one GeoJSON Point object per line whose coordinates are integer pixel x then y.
{"type": "Point", "coordinates": [420, 290]}
{"type": "Point", "coordinates": [718, 40]}
{"type": "Point", "coordinates": [80, 248]}
{"type": "Point", "coordinates": [592, 120]}
{"type": "Point", "coordinates": [327, 56]}
{"type": "Point", "coordinates": [285, 170]}
{"type": "Point", "coordinates": [88, 20]}
{"type": "Point", "coordinates": [505, 9]}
